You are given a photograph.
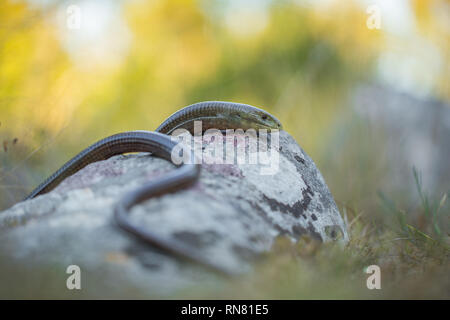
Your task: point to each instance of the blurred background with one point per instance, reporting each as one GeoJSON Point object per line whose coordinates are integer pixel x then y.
{"type": "Point", "coordinates": [363, 86]}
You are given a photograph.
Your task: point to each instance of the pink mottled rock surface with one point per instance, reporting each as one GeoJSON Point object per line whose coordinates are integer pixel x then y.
{"type": "Point", "coordinates": [231, 215]}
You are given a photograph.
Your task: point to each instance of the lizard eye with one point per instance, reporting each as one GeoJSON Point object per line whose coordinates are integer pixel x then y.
{"type": "Point", "coordinates": [264, 117]}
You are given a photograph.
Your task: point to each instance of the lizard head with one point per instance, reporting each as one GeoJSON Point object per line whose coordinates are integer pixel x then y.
{"type": "Point", "coordinates": [257, 119]}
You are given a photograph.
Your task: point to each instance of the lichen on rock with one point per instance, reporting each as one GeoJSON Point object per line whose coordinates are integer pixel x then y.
{"type": "Point", "coordinates": [231, 215]}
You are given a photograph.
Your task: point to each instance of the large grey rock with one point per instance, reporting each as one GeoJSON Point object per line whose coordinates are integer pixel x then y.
{"type": "Point", "coordinates": [231, 215]}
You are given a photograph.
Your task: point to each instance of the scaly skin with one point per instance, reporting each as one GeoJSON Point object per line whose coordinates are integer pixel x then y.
{"type": "Point", "coordinates": [220, 115]}
{"type": "Point", "coordinates": [213, 114]}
